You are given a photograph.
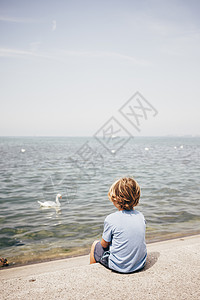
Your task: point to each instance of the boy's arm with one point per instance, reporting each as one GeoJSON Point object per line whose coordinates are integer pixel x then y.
{"type": "Point", "coordinates": [104, 244]}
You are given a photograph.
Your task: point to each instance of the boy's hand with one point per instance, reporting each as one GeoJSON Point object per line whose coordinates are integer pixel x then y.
{"type": "Point", "coordinates": [104, 244]}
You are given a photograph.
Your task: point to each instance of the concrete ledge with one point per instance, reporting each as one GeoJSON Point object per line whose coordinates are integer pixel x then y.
{"type": "Point", "coordinates": [172, 272]}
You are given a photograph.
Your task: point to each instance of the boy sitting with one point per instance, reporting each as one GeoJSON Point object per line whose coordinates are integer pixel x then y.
{"type": "Point", "coordinates": [122, 247]}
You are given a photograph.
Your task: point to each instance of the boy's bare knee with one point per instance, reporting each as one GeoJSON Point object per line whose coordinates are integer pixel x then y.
{"type": "Point", "coordinates": [95, 242]}
{"type": "Point", "coordinates": [92, 259]}
{"type": "Point", "coordinates": [93, 246]}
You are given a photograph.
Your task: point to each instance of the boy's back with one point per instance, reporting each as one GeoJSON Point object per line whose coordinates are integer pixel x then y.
{"type": "Point", "coordinates": [125, 230]}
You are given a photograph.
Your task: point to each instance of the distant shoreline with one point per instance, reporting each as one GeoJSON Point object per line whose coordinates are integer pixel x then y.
{"type": "Point", "coordinates": [89, 136]}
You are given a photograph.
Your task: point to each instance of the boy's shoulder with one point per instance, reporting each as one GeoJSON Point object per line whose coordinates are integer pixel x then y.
{"type": "Point", "coordinates": [120, 214]}
{"type": "Point", "coordinates": [113, 215]}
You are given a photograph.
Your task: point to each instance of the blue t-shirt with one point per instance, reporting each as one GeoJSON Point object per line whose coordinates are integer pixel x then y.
{"type": "Point", "coordinates": [125, 230]}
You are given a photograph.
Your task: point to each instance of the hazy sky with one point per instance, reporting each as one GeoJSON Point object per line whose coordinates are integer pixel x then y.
{"type": "Point", "coordinates": [66, 67]}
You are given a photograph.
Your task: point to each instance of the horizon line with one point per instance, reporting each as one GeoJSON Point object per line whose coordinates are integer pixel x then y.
{"type": "Point", "coordinates": [89, 136]}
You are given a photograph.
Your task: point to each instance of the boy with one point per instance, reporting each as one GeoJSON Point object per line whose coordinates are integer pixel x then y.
{"type": "Point", "coordinates": [122, 247]}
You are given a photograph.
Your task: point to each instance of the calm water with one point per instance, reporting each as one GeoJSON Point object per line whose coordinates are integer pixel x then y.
{"type": "Point", "coordinates": [167, 169]}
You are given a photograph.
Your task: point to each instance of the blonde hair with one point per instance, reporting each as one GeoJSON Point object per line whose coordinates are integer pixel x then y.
{"type": "Point", "coordinates": [124, 193]}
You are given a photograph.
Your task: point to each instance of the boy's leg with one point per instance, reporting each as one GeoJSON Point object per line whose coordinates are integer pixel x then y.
{"type": "Point", "coordinates": [92, 259]}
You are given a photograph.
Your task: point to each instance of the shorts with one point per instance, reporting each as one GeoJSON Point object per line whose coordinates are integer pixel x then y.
{"type": "Point", "coordinates": [101, 255]}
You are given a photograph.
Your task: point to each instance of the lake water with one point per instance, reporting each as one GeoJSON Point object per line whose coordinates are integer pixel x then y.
{"type": "Point", "coordinates": [82, 170]}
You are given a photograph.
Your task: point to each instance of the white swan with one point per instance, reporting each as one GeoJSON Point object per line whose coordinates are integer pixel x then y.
{"type": "Point", "coordinates": [51, 203]}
